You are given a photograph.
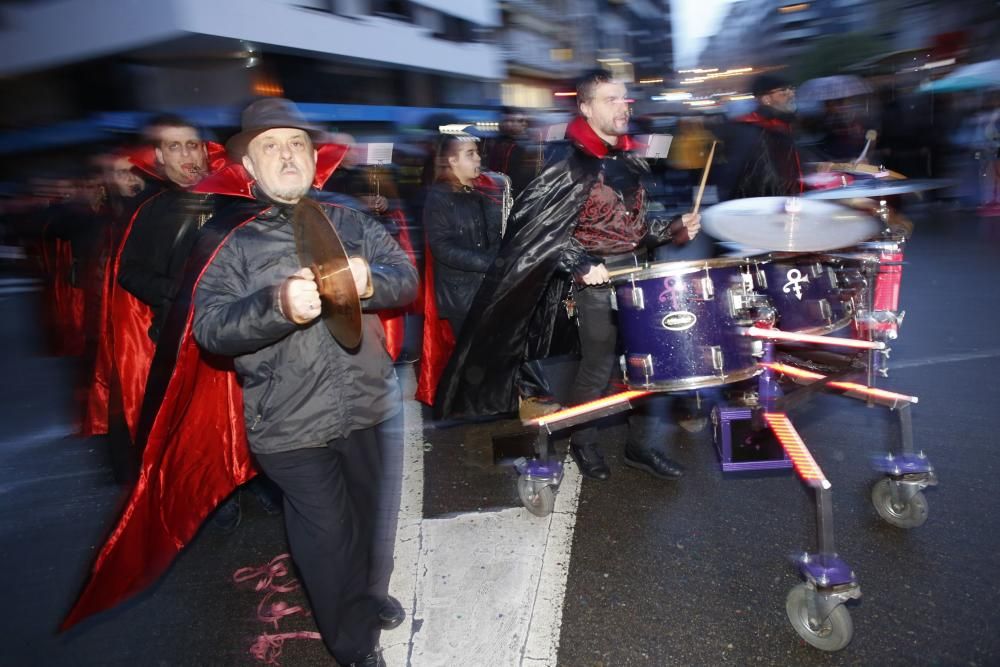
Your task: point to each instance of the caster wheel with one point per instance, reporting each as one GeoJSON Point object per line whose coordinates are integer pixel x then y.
{"type": "Point", "coordinates": [834, 634]}
{"type": "Point", "coordinates": [911, 514]}
{"type": "Point", "coordinates": [537, 498]}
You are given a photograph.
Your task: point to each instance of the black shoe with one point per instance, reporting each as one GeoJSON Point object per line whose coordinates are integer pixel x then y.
{"type": "Point", "coordinates": [373, 659]}
{"type": "Point", "coordinates": [590, 460]}
{"type": "Point", "coordinates": [654, 462]}
{"type": "Point", "coordinates": [391, 614]}
{"type": "Point", "coordinates": [228, 515]}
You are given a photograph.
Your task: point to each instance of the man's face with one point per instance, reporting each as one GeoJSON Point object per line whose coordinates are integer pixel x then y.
{"type": "Point", "coordinates": [780, 99]}
{"type": "Point", "coordinates": [122, 178]}
{"type": "Point", "coordinates": [465, 163]}
{"type": "Point", "coordinates": [182, 154]}
{"type": "Point", "coordinates": [607, 112]}
{"type": "Point", "coordinates": [283, 162]}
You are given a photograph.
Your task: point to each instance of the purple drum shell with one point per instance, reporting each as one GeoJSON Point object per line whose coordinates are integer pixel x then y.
{"type": "Point", "coordinates": [812, 293]}
{"type": "Point", "coordinates": [677, 324]}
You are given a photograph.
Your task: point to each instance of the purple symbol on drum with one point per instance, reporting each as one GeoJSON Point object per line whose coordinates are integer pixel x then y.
{"type": "Point", "coordinates": [794, 284]}
{"type": "Point", "coordinates": [670, 294]}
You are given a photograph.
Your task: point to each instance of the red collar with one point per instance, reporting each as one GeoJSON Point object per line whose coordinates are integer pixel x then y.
{"type": "Point", "coordinates": [584, 137]}
{"type": "Point", "coordinates": [234, 180]}
{"type": "Point", "coordinates": [760, 120]}
{"type": "Point", "coordinates": [143, 158]}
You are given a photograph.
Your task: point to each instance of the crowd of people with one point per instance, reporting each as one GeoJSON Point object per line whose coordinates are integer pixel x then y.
{"type": "Point", "coordinates": [174, 269]}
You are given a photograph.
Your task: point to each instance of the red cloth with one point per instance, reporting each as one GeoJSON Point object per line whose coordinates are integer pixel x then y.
{"type": "Point", "coordinates": [196, 455]}
{"type": "Point", "coordinates": [64, 302]}
{"type": "Point", "coordinates": [438, 342]}
{"type": "Point", "coordinates": [393, 321]}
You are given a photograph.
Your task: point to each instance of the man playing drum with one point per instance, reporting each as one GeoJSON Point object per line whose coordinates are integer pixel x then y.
{"type": "Point", "coordinates": [584, 212]}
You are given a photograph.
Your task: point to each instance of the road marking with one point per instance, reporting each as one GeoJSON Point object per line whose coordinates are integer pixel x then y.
{"type": "Point", "coordinates": [945, 359]}
{"type": "Point", "coordinates": [483, 584]}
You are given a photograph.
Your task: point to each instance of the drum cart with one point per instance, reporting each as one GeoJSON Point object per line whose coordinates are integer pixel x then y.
{"type": "Point", "coordinates": [815, 608]}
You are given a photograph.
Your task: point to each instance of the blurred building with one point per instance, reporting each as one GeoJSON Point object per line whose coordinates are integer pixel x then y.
{"type": "Point", "coordinates": [67, 58]}
{"type": "Point", "coordinates": [547, 43]}
{"type": "Point", "coordinates": [777, 32]}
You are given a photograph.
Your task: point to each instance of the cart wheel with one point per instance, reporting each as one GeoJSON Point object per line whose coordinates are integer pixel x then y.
{"type": "Point", "coordinates": [537, 498]}
{"type": "Point", "coordinates": [836, 631]}
{"type": "Point", "coordinates": [911, 514]}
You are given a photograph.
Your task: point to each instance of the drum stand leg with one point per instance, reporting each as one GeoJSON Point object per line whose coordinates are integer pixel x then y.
{"type": "Point", "coordinates": [898, 497]}
{"type": "Point", "coordinates": [539, 477]}
{"type": "Point", "coordinates": [816, 608]}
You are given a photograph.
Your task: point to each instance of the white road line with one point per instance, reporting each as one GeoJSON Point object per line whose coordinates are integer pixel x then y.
{"type": "Point", "coordinates": [485, 587]}
{"type": "Point", "coordinates": [945, 359]}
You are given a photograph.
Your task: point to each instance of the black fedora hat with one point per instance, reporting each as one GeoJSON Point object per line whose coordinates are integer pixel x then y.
{"type": "Point", "coordinates": [266, 114]}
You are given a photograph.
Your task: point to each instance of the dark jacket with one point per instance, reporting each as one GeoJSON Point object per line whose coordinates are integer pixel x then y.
{"type": "Point", "coordinates": [300, 387]}
{"type": "Point", "coordinates": [463, 227]}
{"type": "Point", "coordinates": [761, 159]}
{"type": "Point", "coordinates": [156, 250]}
{"type": "Point", "coordinates": [513, 315]}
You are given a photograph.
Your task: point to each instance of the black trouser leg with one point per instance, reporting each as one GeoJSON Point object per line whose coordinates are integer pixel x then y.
{"type": "Point", "coordinates": [598, 330]}
{"type": "Point", "coordinates": [330, 498]}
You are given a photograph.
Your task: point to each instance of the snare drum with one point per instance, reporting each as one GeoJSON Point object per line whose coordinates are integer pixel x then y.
{"type": "Point", "coordinates": [812, 293]}
{"type": "Point", "coordinates": [679, 324]}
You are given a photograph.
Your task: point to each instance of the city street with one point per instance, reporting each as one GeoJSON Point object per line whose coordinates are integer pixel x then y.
{"type": "Point", "coordinates": [632, 571]}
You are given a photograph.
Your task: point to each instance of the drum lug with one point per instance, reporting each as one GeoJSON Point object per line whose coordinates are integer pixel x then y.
{"type": "Point", "coordinates": [717, 360]}
{"type": "Point", "coordinates": [826, 312]}
{"type": "Point", "coordinates": [707, 288]}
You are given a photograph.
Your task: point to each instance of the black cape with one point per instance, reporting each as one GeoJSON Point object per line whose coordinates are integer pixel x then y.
{"type": "Point", "coordinates": [514, 313]}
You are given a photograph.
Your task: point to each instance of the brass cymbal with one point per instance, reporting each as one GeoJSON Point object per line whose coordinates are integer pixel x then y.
{"type": "Point", "coordinates": [319, 247]}
{"type": "Point", "coordinates": [856, 169]}
{"type": "Point", "coordinates": [788, 224]}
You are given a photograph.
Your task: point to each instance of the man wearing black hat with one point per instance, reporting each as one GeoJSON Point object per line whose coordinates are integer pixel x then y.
{"type": "Point", "coordinates": [761, 157]}
{"type": "Point", "coordinates": [313, 409]}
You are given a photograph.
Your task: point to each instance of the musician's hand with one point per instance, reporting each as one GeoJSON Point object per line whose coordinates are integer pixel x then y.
{"type": "Point", "coordinates": [300, 297]}
{"type": "Point", "coordinates": [361, 274]}
{"type": "Point", "coordinates": [597, 275]}
{"type": "Point", "coordinates": [691, 222]}
{"type": "Point", "coordinates": [376, 203]}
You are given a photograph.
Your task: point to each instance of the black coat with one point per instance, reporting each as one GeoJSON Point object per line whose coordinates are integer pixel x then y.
{"type": "Point", "coordinates": [463, 231]}
{"type": "Point", "coordinates": [761, 159]}
{"type": "Point", "coordinates": [163, 234]}
{"type": "Point", "coordinates": [300, 387]}
{"type": "Point", "coordinates": [513, 315]}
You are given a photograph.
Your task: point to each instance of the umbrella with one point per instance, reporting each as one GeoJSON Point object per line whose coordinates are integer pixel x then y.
{"type": "Point", "coordinates": [976, 76]}
{"type": "Point", "coordinates": [813, 93]}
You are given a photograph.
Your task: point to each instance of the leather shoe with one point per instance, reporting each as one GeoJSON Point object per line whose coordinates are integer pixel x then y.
{"type": "Point", "coordinates": [653, 462]}
{"type": "Point", "coordinates": [391, 614]}
{"type": "Point", "coordinates": [590, 461]}
{"type": "Point", "coordinates": [373, 659]}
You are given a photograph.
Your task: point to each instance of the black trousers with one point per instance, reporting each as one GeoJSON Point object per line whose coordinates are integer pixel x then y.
{"type": "Point", "coordinates": [650, 425]}
{"type": "Point", "coordinates": [335, 510]}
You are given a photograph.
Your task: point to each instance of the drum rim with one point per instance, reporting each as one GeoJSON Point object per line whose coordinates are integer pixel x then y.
{"type": "Point", "coordinates": [699, 381]}
{"type": "Point", "coordinates": [682, 268]}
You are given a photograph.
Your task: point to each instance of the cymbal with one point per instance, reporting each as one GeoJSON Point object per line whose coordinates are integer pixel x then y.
{"type": "Point", "coordinates": [879, 188]}
{"type": "Point", "coordinates": [859, 169]}
{"type": "Point", "coordinates": [319, 247]}
{"type": "Point", "coordinates": [788, 224]}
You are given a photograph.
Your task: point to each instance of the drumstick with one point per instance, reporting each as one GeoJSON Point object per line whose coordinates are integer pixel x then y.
{"type": "Point", "coordinates": [704, 178]}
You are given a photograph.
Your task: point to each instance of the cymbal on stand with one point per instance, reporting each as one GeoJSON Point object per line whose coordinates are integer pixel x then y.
{"type": "Point", "coordinates": [789, 224]}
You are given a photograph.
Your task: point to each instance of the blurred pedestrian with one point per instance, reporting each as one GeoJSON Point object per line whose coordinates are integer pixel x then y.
{"type": "Point", "coordinates": [761, 158]}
